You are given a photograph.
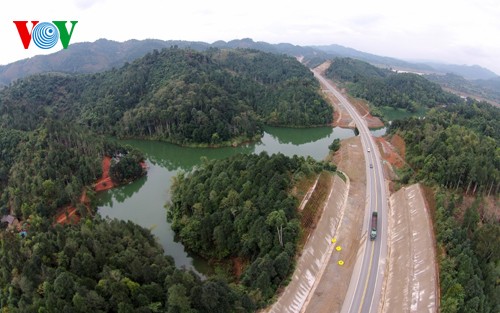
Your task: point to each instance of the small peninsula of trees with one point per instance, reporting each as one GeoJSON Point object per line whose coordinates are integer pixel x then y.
{"type": "Point", "coordinates": [241, 207]}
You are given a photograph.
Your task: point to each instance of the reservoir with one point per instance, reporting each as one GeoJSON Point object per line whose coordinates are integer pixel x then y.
{"type": "Point", "coordinates": [143, 200]}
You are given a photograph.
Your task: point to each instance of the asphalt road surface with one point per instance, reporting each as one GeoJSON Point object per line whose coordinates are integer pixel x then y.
{"type": "Point", "coordinates": [365, 287]}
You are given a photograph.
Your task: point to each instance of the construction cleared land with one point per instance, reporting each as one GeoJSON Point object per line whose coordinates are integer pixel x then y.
{"type": "Point", "coordinates": [411, 284]}
{"type": "Point", "coordinates": [324, 268]}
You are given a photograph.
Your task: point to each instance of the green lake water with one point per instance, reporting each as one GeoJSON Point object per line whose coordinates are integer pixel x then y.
{"type": "Point", "coordinates": [143, 200]}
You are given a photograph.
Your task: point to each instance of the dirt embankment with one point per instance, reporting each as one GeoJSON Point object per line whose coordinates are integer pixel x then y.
{"type": "Point", "coordinates": [392, 152]}
{"type": "Point", "coordinates": [329, 292]}
{"type": "Point", "coordinates": [362, 107]}
{"type": "Point", "coordinates": [315, 256]}
{"type": "Point", "coordinates": [411, 284]}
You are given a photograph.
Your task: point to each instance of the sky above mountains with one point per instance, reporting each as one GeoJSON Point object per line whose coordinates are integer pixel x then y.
{"type": "Point", "coordinates": [459, 31]}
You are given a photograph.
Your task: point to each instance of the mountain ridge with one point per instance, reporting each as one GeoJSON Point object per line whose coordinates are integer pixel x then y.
{"type": "Point", "coordinates": [104, 54]}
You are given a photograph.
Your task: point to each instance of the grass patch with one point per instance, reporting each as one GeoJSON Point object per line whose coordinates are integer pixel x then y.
{"type": "Point", "coordinates": [301, 187]}
{"type": "Point", "coordinates": [342, 176]}
{"type": "Point", "coordinates": [309, 215]}
{"type": "Point", "coordinates": [391, 114]}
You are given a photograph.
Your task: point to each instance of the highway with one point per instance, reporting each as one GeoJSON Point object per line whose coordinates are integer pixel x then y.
{"type": "Point", "coordinates": [364, 293]}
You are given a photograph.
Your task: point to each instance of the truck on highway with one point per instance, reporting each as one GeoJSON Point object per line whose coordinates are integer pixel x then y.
{"type": "Point", "coordinates": [373, 233]}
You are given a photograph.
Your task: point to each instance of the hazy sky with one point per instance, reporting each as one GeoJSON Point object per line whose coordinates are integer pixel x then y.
{"type": "Point", "coordinates": [458, 31]}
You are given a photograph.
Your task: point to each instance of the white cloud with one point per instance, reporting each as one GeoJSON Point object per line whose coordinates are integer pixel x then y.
{"type": "Point", "coordinates": [86, 4]}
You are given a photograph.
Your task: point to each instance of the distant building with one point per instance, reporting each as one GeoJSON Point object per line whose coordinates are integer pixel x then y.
{"type": "Point", "coordinates": [9, 219]}
{"type": "Point", "coordinates": [12, 221]}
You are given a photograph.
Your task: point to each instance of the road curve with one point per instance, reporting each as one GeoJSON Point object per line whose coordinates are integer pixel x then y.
{"type": "Point", "coordinates": [365, 287]}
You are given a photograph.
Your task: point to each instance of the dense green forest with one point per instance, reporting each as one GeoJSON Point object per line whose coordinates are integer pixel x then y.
{"type": "Point", "coordinates": [242, 207]}
{"type": "Point", "coordinates": [9, 149]}
{"type": "Point", "coordinates": [47, 169]}
{"type": "Point", "coordinates": [383, 87]}
{"type": "Point", "coordinates": [456, 149]}
{"type": "Point", "coordinates": [177, 95]}
{"type": "Point", "coordinates": [102, 266]}
{"type": "Point", "coordinates": [469, 256]}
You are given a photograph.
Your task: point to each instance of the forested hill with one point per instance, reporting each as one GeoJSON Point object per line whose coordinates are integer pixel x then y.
{"type": "Point", "coordinates": [383, 87]}
{"type": "Point", "coordinates": [456, 146]}
{"type": "Point", "coordinates": [182, 96]}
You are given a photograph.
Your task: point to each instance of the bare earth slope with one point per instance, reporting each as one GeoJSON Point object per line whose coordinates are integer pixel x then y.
{"type": "Point", "coordinates": [316, 251]}
{"type": "Point", "coordinates": [329, 294]}
{"type": "Point", "coordinates": [411, 284]}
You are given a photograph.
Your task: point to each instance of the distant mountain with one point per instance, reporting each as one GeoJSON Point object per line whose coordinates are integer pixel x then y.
{"type": "Point", "coordinates": [103, 54]}
{"type": "Point", "coordinates": [471, 72]}
{"type": "Point", "coordinates": [341, 51]}
{"type": "Point", "coordinates": [383, 87]}
{"type": "Point", "coordinates": [89, 57]}
{"type": "Point", "coordinates": [492, 83]}
{"type": "Point", "coordinates": [286, 48]}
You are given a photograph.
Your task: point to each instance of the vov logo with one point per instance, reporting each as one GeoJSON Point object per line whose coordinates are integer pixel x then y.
{"type": "Point", "coordinates": [45, 35]}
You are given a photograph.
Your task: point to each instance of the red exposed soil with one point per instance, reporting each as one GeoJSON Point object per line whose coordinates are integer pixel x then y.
{"type": "Point", "coordinates": [388, 152]}
{"type": "Point", "coordinates": [68, 216]}
{"type": "Point", "coordinates": [336, 118]}
{"type": "Point", "coordinates": [105, 182]}
{"type": "Point", "coordinates": [237, 267]}
{"type": "Point", "coordinates": [399, 144]}
{"type": "Point", "coordinates": [362, 107]}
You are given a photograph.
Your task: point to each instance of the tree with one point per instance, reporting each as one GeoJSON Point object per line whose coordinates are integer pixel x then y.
{"type": "Point", "coordinates": [277, 219]}
{"type": "Point", "coordinates": [178, 301]}
{"type": "Point", "coordinates": [335, 145]}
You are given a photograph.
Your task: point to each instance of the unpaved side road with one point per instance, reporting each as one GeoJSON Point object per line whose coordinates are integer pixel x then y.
{"type": "Point", "coordinates": [315, 252]}
{"type": "Point", "coordinates": [411, 284]}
